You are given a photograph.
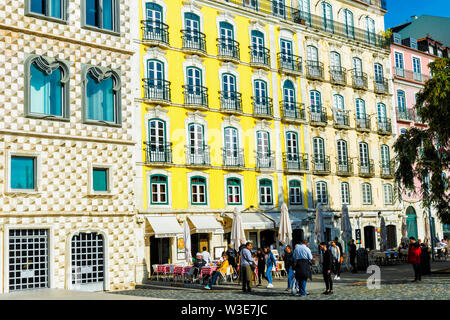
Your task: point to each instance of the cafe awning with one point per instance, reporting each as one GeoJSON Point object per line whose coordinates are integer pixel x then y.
{"type": "Point", "coordinates": [164, 227]}
{"type": "Point", "coordinates": [296, 220]}
{"type": "Point", "coordinates": [256, 221]}
{"type": "Point", "coordinates": [205, 224]}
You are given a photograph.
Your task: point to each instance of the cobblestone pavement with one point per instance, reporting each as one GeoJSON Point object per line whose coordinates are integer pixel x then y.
{"type": "Point", "coordinates": [395, 285]}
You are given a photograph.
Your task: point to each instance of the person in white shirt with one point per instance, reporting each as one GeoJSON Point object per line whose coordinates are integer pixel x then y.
{"type": "Point", "coordinates": [336, 253]}
{"type": "Point", "coordinates": [206, 255]}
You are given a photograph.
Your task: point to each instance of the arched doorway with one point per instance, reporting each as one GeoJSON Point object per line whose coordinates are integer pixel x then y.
{"type": "Point", "coordinates": [369, 237]}
{"type": "Point", "coordinates": [391, 232]}
{"type": "Point", "coordinates": [88, 262]}
{"type": "Point", "coordinates": [411, 222]}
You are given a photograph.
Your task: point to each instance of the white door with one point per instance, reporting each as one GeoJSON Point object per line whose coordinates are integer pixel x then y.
{"type": "Point", "coordinates": [319, 153]}
{"type": "Point", "coordinates": [364, 157]}
{"type": "Point", "coordinates": [342, 155]}
{"type": "Point", "coordinates": [196, 143]}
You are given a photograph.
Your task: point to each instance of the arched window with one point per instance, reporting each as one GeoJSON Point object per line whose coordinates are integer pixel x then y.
{"type": "Point", "coordinates": [198, 190]}
{"type": "Point", "coordinates": [197, 146]}
{"type": "Point", "coordinates": [319, 154]}
{"type": "Point", "coordinates": [278, 8]}
{"type": "Point", "coordinates": [158, 148]}
{"type": "Point", "coordinates": [327, 14]}
{"type": "Point", "coordinates": [153, 26]}
{"type": "Point", "coordinates": [335, 60]}
{"type": "Point", "coordinates": [226, 31]}
{"type": "Point", "coordinates": [321, 192]}
{"type": "Point", "coordinates": [316, 101]}
{"type": "Point", "coordinates": [159, 189]}
{"type": "Point", "coordinates": [338, 102]}
{"type": "Point", "coordinates": [345, 193]}
{"type": "Point", "coordinates": [370, 25]}
{"type": "Point", "coordinates": [360, 109]}
{"type": "Point", "coordinates": [305, 13]}
{"type": "Point", "coordinates": [378, 68]}
{"type": "Point", "coordinates": [357, 66]}
{"type": "Point", "coordinates": [289, 94]}
{"type": "Point", "coordinates": [265, 192]}
{"type": "Point", "coordinates": [312, 54]}
{"type": "Point", "coordinates": [263, 143]}
{"type": "Point", "coordinates": [229, 86]}
{"type": "Point", "coordinates": [364, 155]}
{"type": "Point", "coordinates": [348, 24]}
{"type": "Point", "coordinates": [381, 112]}
{"type": "Point", "coordinates": [385, 157]}
{"type": "Point", "coordinates": [388, 194]}
{"type": "Point", "coordinates": [234, 191]}
{"type": "Point", "coordinates": [155, 85]}
{"type": "Point", "coordinates": [260, 94]}
{"type": "Point", "coordinates": [295, 192]}
{"type": "Point", "coordinates": [231, 150]}
{"type": "Point", "coordinates": [366, 193]}
{"type": "Point", "coordinates": [195, 93]}
{"type": "Point", "coordinates": [258, 46]}
{"type": "Point", "coordinates": [292, 147]}
{"type": "Point", "coordinates": [342, 154]}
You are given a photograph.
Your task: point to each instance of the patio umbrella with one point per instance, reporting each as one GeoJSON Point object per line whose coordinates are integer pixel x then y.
{"type": "Point", "coordinates": [319, 227]}
{"type": "Point", "coordinates": [187, 242]}
{"type": "Point", "coordinates": [237, 236]}
{"type": "Point", "coordinates": [346, 226]}
{"type": "Point", "coordinates": [427, 238]}
{"type": "Point", "coordinates": [285, 229]}
{"type": "Point", "coordinates": [404, 230]}
{"type": "Point", "coordinates": [383, 234]}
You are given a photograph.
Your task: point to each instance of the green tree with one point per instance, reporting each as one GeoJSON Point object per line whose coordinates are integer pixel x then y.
{"type": "Point", "coordinates": [426, 152]}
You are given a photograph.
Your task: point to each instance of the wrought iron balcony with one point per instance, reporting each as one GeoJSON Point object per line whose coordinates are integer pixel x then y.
{"type": "Point", "coordinates": [321, 165]}
{"type": "Point", "coordinates": [156, 153]}
{"type": "Point", "coordinates": [341, 119]}
{"type": "Point", "coordinates": [194, 41]}
{"type": "Point", "coordinates": [292, 111]}
{"type": "Point", "coordinates": [295, 162]}
{"type": "Point", "coordinates": [155, 32]}
{"type": "Point", "coordinates": [265, 160]}
{"type": "Point", "coordinates": [259, 56]}
{"type": "Point", "coordinates": [359, 80]}
{"type": "Point", "coordinates": [314, 70]}
{"type": "Point", "coordinates": [195, 96]}
{"type": "Point", "coordinates": [381, 86]}
{"type": "Point", "coordinates": [262, 107]}
{"type": "Point", "coordinates": [366, 168]}
{"type": "Point", "coordinates": [344, 167]}
{"type": "Point", "coordinates": [405, 115]}
{"type": "Point", "coordinates": [228, 49]}
{"type": "Point", "coordinates": [230, 101]}
{"type": "Point", "coordinates": [317, 116]}
{"type": "Point", "coordinates": [387, 170]}
{"type": "Point", "coordinates": [338, 75]}
{"type": "Point", "coordinates": [289, 63]}
{"type": "Point", "coordinates": [384, 126]}
{"type": "Point", "coordinates": [156, 90]}
{"type": "Point", "coordinates": [233, 158]}
{"type": "Point", "coordinates": [198, 156]}
{"type": "Point", "coordinates": [363, 123]}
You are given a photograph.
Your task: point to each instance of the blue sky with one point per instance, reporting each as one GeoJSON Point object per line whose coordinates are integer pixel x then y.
{"type": "Point", "coordinates": [400, 11]}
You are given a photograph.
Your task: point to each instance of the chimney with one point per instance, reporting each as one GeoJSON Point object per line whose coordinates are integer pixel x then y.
{"type": "Point", "coordinates": [414, 18]}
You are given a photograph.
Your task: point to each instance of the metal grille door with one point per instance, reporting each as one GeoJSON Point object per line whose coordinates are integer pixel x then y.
{"type": "Point", "coordinates": [28, 259]}
{"type": "Point", "coordinates": [87, 262]}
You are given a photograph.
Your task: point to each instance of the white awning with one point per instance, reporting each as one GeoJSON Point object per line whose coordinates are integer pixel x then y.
{"type": "Point", "coordinates": [205, 224]}
{"type": "Point", "coordinates": [256, 221]}
{"type": "Point", "coordinates": [296, 221]}
{"type": "Point", "coordinates": [164, 227]}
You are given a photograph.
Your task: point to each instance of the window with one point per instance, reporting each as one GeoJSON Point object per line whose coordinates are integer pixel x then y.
{"type": "Point", "coordinates": [399, 66]}
{"type": "Point", "coordinates": [417, 69]}
{"type": "Point", "coordinates": [234, 191]}
{"type": "Point", "coordinates": [316, 101]}
{"type": "Point", "coordinates": [378, 68]}
{"type": "Point", "coordinates": [295, 192]}
{"type": "Point", "coordinates": [265, 192]}
{"type": "Point", "coordinates": [366, 193]}
{"type": "Point", "coordinates": [327, 12]}
{"type": "Point", "coordinates": [102, 14]}
{"type": "Point", "coordinates": [286, 50]}
{"type": "Point", "coordinates": [158, 187]}
{"type": "Point", "coordinates": [360, 109]}
{"type": "Point", "coordinates": [312, 54]}
{"type": "Point", "coordinates": [100, 179]}
{"type": "Point", "coordinates": [348, 24]}
{"type": "Point", "coordinates": [381, 112]}
{"type": "Point", "coordinates": [338, 102]}
{"type": "Point", "coordinates": [345, 193]}
{"type": "Point", "coordinates": [318, 150]}
{"type": "Point", "coordinates": [385, 156]}
{"type": "Point", "coordinates": [260, 92]}
{"type": "Point", "coordinates": [335, 60]}
{"type": "Point", "coordinates": [303, 6]}
{"type": "Point", "coordinates": [371, 36]}
{"type": "Point", "coordinates": [397, 38]}
{"type": "Point", "coordinates": [23, 173]}
{"type": "Point", "coordinates": [342, 155]}
{"type": "Point", "coordinates": [278, 8]}
{"type": "Point", "coordinates": [49, 8]}
{"type": "Point", "coordinates": [321, 193]}
{"type": "Point", "coordinates": [263, 143]}
{"type": "Point", "coordinates": [47, 92]}
{"type": "Point", "coordinates": [102, 96]}
{"type": "Point", "coordinates": [388, 194]}
{"type": "Point", "coordinates": [289, 95]}
{"type": "Point", "coordinates": [198, 190]}
{"type": "Point", "coordinates": [364, 154]}
{"type": "Point", "coordinates": [357, 67]}
{"type": "Point", "coordinates": [291, 146]}
{"type": "Point", "coordinates": [197, 148]}
{"type": "Point", "coordinates": [253, 4]}
{"type": "Point", "coordinates": [401, 103]}
{"type": "Point", "coordinates": [229, 86]}
{"type": "Point", "coordinates": [156, 87]}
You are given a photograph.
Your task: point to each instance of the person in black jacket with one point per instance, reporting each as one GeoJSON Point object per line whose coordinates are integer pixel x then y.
{"type": "Point", "coordinates": [288, 259]}
{"type": "Point", "coordinates": [425, 259]}
{"type": "Point", "coordinates": [352, 253]}
{"type": "Point", "coordinates": [260, 255]}
{"type": "Point", "coordinates": [231, 253]}
{"type": "Point", "coordinates": [327, 262]}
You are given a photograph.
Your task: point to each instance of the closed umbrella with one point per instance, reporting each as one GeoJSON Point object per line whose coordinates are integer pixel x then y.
{"type": "Point", "coordinates": [346, 226]}
{"type": "Point", "coordinates": [427, 238]}
{"type": "Point", "coordinates": [285, 229]}
{"type": "Point", "coordinates": [319, 227]}
{"type": "Point", "coordinates": [404, 230]}
{"type": "Point", "coordinates": [187, 242]}
{"type": "Point", "coordinates": [237, 230]}
{"type": "Point", "coordinates": [383, 234]}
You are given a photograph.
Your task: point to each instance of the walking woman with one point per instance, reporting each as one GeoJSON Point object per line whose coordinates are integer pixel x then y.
{"type": "Point", "coordinates": [261, 264]}
{"type": "Point", "coordinates": [414, 258]}
{"type": "Point", "coordinates": [271, 263]}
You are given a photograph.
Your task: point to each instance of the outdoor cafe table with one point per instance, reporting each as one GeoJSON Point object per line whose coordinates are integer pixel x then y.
{"type": "Point", "coordinates": [207, 271]}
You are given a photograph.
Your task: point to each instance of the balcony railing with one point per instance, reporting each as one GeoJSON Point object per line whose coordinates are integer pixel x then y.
{"type": "Point", "coordinates": [262, 106]}
{"type": "Point", "coordinates": [384, 125]}
{"type": "Point", "coordinates": [341, 118]}
{"type": "Point", "coordinates": [194, 40]}
{"type": "Point", "coordinates": [233, 158]}
{"type": "Point", "coordinates": [228, 49]}
{"type": "Point", "coordinates": [359, 80]}
{"type": "Point", "coordinates": [338, 75]}
{"type": "Point", "coordinates": [381, 86]}
{"type": "Point", "coordinates": [198, 156]}
{"type": "Point", "coordinates": [259, 56]}
{"type": "Point", "coordinates": [321, 165]}
{"type": "Point", "coordinates": [195, 96]}
{"type": "Point", "coordinates": [344, 167]}
{"type": "Point", "coordinates": [405, 115]}
{"type": "Point", "coordinates": [293, 111]}
{"type": "Point", "coordinates": [363, 123]}
{"type": "Point", "coordinates": [155, 31]}
{"type": "Point", "coordinates": [387, 170]}
{"type": "Point", "coordinates": [314, 70]}
{"type": "Point", "coordinates": [366, 168]}
{"type": "Point", "coordinates": [411, 75]}
{"type": "Point", "coordinates": [265, 160]}
{"type": "Point", "coordinates": [158, 153]}
{"type": "Point", "coordinates": [289, 63]}
{"type": "Point", "coordinates": [317, 116]}
{"type": "Point", "coordinates": [230, 101]}
{"type": "Point", "coordinates": [156, 89]}
{"type": "Point", "coordinates": [295, 161]}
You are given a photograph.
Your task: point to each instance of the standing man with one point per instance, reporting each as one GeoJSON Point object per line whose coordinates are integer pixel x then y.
{"type": "Point", "coordinates": [302, 258]}
{"type": "Point", "coordinates": [231, 253]}
{"type": "Point", "coordinates": [246, 270]}
{"type": "Point", "coordinates": [206, 255]}
{"type": "Point", "coordinates": [335, 251]}
{"type": "Point", "coordinates": [326, 258]}
{"type": "Point", "coordinates": [288, 260]}
{"type": "Point", "coordinates": [414, 252]}
{"type": "Point", "coordinates": [352, 252]}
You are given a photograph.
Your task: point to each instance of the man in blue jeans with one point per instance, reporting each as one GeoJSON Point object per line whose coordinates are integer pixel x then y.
{"type": "Point", "coordinates": [288, 260]}
{"type": "Point", "coordinates": [302, 258]}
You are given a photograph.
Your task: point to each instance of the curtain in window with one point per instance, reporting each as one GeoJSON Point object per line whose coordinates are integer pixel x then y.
{"type": "Point", "coordinates": [100, 99]}
{"type": "Point", "coordinates": [46, 92]}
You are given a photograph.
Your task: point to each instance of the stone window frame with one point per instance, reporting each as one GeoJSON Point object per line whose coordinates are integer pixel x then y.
{"type": "Point", "coordinates": [63, 20]}
{"type": "Point", "coordinates": [101, 73]}
{"type": "Point", "coordinates": [48, 65]}
{"type": "Point", "coordinates": [110, 181]}
{"type": "Point", "coordinates": [116, 19]}
{"type": "Point", "coordinates": [37, 172]}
